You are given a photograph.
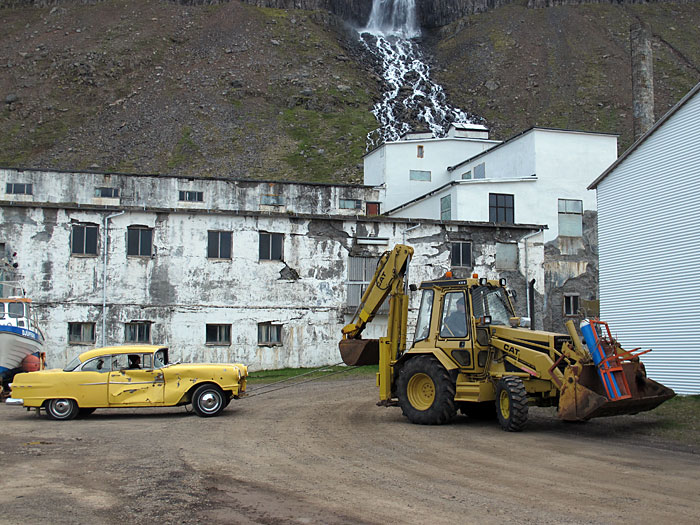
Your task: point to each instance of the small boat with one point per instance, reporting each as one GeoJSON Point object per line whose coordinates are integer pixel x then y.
{"type": "Point", "coordinates": [20, 335]}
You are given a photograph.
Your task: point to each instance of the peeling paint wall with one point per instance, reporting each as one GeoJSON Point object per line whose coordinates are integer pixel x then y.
{"type": "Point", "coordinates": [571, 267]}
{"type": "Point", "coordinates": [179, 290]}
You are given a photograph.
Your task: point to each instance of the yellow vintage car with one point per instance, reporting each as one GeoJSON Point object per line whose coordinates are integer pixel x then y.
{"type": "Point", "coordinates": [128, 376]}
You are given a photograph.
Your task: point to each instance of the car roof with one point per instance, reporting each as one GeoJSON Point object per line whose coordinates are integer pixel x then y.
{"type": "Point", "coordinates": [123, 349]}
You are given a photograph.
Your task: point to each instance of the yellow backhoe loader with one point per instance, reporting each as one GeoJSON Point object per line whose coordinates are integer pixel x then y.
{"type": "Point", "coordinates": [470, 353]}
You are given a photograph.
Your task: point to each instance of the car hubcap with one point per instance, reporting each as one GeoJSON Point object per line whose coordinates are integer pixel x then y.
{"type": "Point", "coordinates": [61, 407]}
{"type": "Point", "coordinates": [421, 391]}
{"type": "Point", "coordinates": [209, 402]}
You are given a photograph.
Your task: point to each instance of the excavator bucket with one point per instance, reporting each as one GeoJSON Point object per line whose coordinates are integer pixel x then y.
{"type": "Point", "coordinates": [583, 394]}
{"type": "Point", "coordinates": [359, 352]}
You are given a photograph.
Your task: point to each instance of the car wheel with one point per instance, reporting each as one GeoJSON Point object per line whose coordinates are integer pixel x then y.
{"type": "Point", "coordinates": [61, 409]}
{"type": "Point", "coordinates": [208, 401]}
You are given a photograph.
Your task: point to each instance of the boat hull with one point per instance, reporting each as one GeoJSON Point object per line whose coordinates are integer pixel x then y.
{"type": "Point", "coordinates": [15, 344]}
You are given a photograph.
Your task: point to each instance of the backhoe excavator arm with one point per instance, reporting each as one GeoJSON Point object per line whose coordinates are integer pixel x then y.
{"type": "Point", "coordinates": [389, 279]}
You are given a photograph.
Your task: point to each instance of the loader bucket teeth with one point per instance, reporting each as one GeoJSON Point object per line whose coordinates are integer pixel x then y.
{"type": "Point", "coordinates": [359, 352]}
{"type": "Point", "coordinates": [583, 394]}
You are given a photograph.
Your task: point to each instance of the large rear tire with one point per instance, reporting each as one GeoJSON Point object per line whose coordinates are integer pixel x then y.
{"type": "Point", "coordinates": [511, 403]}
{"type": "Point", "coordinates": [426, 392]}
{"type": "Point", "coordinates": [61, 409]}
{"type": "Point", "coordinates": [208, 401]}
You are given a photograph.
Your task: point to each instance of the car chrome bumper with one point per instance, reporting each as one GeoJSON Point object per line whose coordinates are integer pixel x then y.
{"type": "Point", "coordinates": [14, 401]}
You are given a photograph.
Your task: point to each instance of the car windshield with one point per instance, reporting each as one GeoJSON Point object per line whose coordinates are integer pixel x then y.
{"type": "Point", "coordinates": [493, 302]}
{"type": "Point", "coordinates": [72, 365]}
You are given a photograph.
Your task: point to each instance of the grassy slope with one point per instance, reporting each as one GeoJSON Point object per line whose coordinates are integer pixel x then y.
{"type": "Point", "coordinates": [149, 86]}
{"type": "Point", "coordinates": [237, 91]}
{"type": "Point", "coordinates": [565, 67]}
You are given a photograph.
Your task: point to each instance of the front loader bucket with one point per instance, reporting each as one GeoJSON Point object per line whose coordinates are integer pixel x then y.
{"type": "Point", "coordinates": [359, 352]}
{"type": "Point", "coordinates": [583, 394]}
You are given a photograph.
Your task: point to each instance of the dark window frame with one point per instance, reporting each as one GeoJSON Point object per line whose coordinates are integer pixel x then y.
{"type": "Point", "coordinates": [141, 330]}
{"type": "Point", "coordinates": [459, 251]}
{"type": "Point", "coordinates": [571, 304]}
{"type": "Point", "coordinates": [191, 196]}
{"type": "Point", "coordinates": [217, 245]}
{"type": "Point", "coordinates": [86, 236]}
{"type": "Point", "coordinates": [139, 242]}
{"type": "Point", "coordinates": [106, 192]}
{"type": "Point", "coordinates": [266, 336]}
{"type": "Point", "coordinates": [13, 188]}
{"type": "Point", "coordinates": [80, 328]}
{"type": "Point", "coordinates": [218, 334]}
{"type": "Point", "coordinates": [271, 246]}
{"type": "Point", "coordinates": [502, 208]}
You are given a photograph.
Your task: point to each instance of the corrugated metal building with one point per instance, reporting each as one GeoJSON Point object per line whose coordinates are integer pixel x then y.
{"type": "Point", "coordinates": [649, 242]}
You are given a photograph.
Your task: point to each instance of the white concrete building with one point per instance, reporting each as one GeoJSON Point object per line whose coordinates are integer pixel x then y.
{"type": "Point", "coordinates": [537, 177]}
{"type": "Point", "coordinates": [648, 203]}
{"type": "Point", "coordinates": [219, 270]}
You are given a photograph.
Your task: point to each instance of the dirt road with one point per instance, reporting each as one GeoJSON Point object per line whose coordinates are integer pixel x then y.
{"type": "Point", "coordinates": [324, 453]}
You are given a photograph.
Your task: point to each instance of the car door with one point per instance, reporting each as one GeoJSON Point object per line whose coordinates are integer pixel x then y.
{"type": "Point", "coordinates": [454, 337]}
{"type": "Point", "coordinates": [92, 383]}
{"type": "Point", "coordinates": [141, 386]}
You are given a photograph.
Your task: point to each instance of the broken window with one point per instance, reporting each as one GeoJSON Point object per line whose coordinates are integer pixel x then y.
{"type": "Point", "coordinates": [139, 241]}
{"type": "Point", "coordinates": [191, 196]}
{"type": "Point", "coordinates": [361, 270]}
{"type": "Point", "coordinates": [446, 208]}
{"type": "Point", "coordinates": [271, 245]}
{"type": "Point", "coordinates": [81, 333]}
{"type": "Point", "coordinates": [269, 334]}
{"type": "Point", "coordinates": [419, 175]}
{"type": "Point", "coordinates": [501, 208]}
{"type": "Point", "coordinates": [219, 245]}
{"type": "Point", "coordinates": [350, 204]}
{"type": "Point", "coordinates": [18, 188]}
{"type": "Point", "coordinates": [218, 334]}
{"type": "Point", "coordinates": [570, 218]}
{"type": "Point", "coordinates": [84, 239]}
{"type": "Point", "coordinates": [138, 332]}
{"type": "Point", "coordinates": [461, 254]}
{"type": "Point", "coordinates": [272, 197]}
{"type": "Point", "coordinates": [571, 304]}
{"type": "Point", "coordinates": [107, 193]}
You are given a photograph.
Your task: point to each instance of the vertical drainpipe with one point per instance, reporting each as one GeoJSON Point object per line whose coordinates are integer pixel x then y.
{"type": "Point", "coordinates": [104, 272]}
{"type": "Point", "coordinates": [530, 304]}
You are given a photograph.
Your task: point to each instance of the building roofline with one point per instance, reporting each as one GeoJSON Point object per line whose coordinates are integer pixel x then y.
{"type": "Point", "coordinates": [644, 137]}
{"type": "Point", "coordinates": [188, 177]}
{"type": "Point", "coordinates": [525, 132]}
{"type": "Point", "coordinates": [253, 213]}
{"type": "Point", "coordinates": [409, 141]}
{"type": "Point", "coordinates": [458, 183]}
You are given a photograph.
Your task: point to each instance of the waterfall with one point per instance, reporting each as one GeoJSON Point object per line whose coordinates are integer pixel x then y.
{"type": "Point", "coordinates": [410, 95]}
{"type": "Point", "coordinates": [393, 18]}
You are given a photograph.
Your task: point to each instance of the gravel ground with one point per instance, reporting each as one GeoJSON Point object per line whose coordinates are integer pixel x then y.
{"type": "Point", "coordinates": [324, 453]}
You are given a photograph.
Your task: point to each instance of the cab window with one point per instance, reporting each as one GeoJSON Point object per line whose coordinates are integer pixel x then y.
{"type": "Point", "coordinates": [424, 314]}
{"type": "Point", "coordinates": [454, 315]}
{"type": "Point", "coordinates": [160, 358]}
{"type": "Point", "coordinates": [99, 364]}
{"type": "Point", "coordinates": [120, 362]}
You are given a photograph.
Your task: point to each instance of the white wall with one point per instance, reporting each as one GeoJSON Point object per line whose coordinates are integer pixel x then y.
{"type": "Point", "coordinates": [401, 157]}
{"type": "Point", "coordinates": [538, 168]}
{"type": "Point", "coordinates": [649, 241]}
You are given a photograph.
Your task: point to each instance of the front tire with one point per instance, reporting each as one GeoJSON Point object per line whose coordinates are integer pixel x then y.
{"type": "Point", "coordinates": [426, 392]}
{"type": "Point", "coordinates": [61, 409]}
{"type": "Point", "coordinates": [208, 401]}
{"type": "Point", "coordinates": [511, 403]}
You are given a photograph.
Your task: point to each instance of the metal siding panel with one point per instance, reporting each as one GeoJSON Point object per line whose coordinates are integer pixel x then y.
{"type": "Point", "coordinates": [649, 242]}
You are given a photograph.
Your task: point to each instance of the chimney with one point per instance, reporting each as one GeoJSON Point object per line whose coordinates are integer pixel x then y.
{"type": "Point", "coordinates": [642, 79]}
